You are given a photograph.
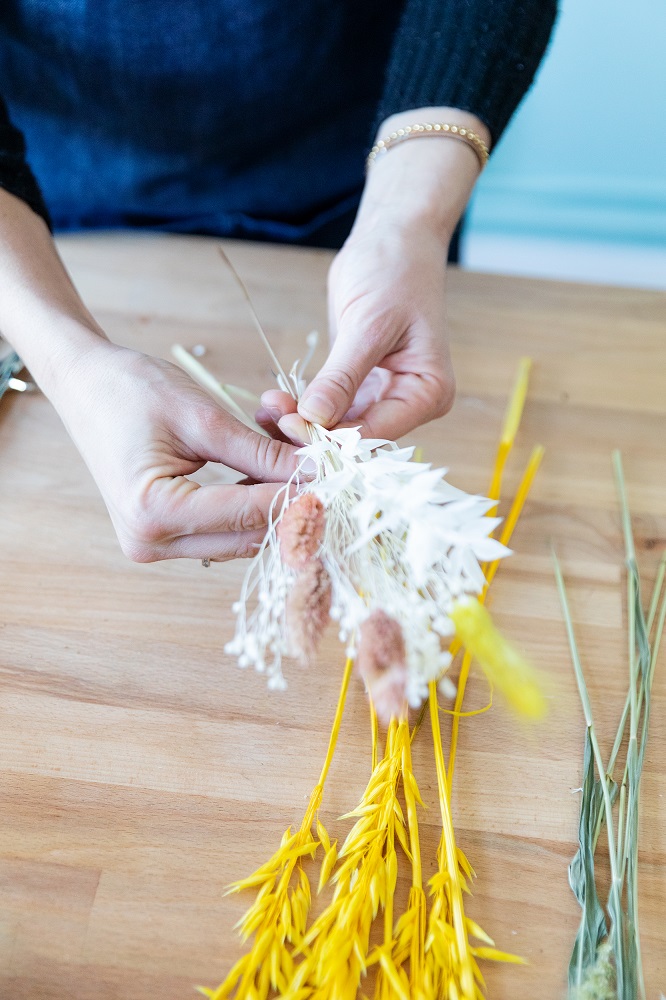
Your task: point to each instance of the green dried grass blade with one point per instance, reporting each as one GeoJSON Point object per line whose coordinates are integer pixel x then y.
{"type": "Point", "coordinates": [592, 928]}
{"type": "Point", "coordinates": [656, 591]}
{"type": "Point", "coordinates": [614, 900]}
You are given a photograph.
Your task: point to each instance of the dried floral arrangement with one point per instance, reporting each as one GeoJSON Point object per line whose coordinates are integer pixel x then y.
{"type": "Point", "coordinates": [401, 560]}
{"type": "Point", "coordinates": [606, 960]}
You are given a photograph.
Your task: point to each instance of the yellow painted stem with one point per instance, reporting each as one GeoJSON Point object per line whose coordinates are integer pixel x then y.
{"type": "Point", "coordinates": [512, 418]}
{"type": "Point", "coordinates": [514, 410]}
{"type": "Point", "coordinates": [410, 801]}
{"type": "Point", "coordinates": [451, 855]}
{"type": "Point", "coordinates": [495, 487]}
{"type": "Point", "coordinates": [455, 724]}
{"type": "Point", "coordinates": [505, 537]}
{"type": "Point", "coordinates": [417, 899]}
{"type": "Point", "coordinates": [335, 730]}
{"type": "Point", "coordinates": [374, 726]}
{"type": "Point", "coordinates": [390, 846]}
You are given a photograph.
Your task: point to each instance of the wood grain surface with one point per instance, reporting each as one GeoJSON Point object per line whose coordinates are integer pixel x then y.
{"type": "Point", "coordinates": [141, 770]}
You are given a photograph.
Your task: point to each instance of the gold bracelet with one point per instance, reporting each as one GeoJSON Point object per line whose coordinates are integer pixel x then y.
{"type": "Point", "coordinates": [473, 140]}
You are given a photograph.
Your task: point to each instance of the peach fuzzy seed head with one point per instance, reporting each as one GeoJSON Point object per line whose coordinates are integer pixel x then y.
{"type": "Point", "coordinates": [382, 663]}
{"type": "Point", "coordinates": [308, 609]}
{"type": "Point", "coordinates": [301, 530]}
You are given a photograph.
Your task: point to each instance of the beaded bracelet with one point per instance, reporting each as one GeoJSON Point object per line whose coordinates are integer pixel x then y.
{"type": "Point", "coordinates": [474, 141]}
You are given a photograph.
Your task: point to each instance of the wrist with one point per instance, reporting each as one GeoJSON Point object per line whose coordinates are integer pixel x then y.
{"type": "Point", "coordinates": [454, 116]}
{"type": "Point", "coordinates": [425, 180]}
{"type": "Point", "coordinates": [59, 358]}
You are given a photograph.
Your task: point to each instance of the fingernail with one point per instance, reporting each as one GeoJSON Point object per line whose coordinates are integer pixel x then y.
{"type": "Point", "coordinates": [309, 468]}
{"type": "Point", "coordinates": [272, 412]}
{"type": "Point", "coordinates": [295, 428]}
{"type": "Point", "coordinates": [317, 409]}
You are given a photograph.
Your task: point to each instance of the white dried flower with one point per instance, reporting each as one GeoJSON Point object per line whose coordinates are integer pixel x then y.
{"type": "Point", "coordinates": [397, 538]}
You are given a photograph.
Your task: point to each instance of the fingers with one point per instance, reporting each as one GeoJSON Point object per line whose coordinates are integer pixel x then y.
{"type": "Point", "coordinates": [216, 547]}
{"type": "Point", "coordinates": [275, 405]}
{"type": "Point", "coordinates": [278, 403]}
{"type": "Point", "coordinates": [216, 508]}
{"type": "Point", "coordinates": [267, 422]}
{"type": "Point", "coordinates": [295, 429]}
{"type": "Point", "coordinates": [417, 400]}
{"type": "Point", "coordinates": [331, 393]}
{"type": "Point", "coordinates": [217, 437]}
{"type": "Point", "coordinates": [228, 520]}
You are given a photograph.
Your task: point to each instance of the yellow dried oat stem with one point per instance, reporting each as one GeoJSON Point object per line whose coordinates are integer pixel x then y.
{"type": "Point", "coordinates": [336, 947]}
{"type": "Point", "coordinates": [278, 916]}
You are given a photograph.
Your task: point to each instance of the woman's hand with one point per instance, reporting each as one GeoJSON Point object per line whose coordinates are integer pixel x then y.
{"type": "Point", "coordinates": [143, 426]}
{"type": "Point", "coordinates": [389, 368]}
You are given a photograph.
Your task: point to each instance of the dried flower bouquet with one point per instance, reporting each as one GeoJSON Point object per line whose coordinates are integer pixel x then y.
{"type": "Point", "coordinates": [401, 561]}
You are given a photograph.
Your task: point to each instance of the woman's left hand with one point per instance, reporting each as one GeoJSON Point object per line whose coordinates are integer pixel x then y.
{"type": "Point", "coordinates": [389, 368]}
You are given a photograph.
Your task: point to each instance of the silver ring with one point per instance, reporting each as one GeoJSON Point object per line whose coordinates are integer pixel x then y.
{"type": "Point", "coordinates": [205, 562]}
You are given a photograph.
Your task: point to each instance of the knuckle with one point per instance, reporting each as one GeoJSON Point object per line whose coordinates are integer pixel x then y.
{"type": "Point", "coordinates": [141, 532]}
{"type": "Point", "coordinates": [145, 528]}
{"type": "Point", "coordinates": [269, 452]}
{"type": "Point", "coordinates": [209, 421]}
{"type": "Point", "coordinates": [247, 547]}
{"type": "Point", "coordinates": [340, 379]}
{"type": "Point", "coordinates": [137, 551]}
{"type": "Point", "coordinates": [377, 328]}
{"type": "Point", "coordinates": [445, 396]}
{"type": "Point", "coordinates": [248, 514]}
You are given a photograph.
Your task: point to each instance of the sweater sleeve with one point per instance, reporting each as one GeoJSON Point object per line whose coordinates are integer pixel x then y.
{"type": "Point", "coordinates": [476, 55]}
{"type": "Point", "coordinates": [15, 174]}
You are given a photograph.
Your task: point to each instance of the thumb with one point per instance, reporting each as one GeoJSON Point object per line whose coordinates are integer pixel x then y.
{"type": "Point", "coordinates": [332, 391]}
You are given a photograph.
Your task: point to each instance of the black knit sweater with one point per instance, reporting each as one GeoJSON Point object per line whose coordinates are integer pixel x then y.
{"type": "Point", "coordinates": [477, 55]}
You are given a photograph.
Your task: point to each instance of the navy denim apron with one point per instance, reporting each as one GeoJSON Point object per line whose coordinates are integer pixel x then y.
{"type": "Point", "coordinates": [244, 118]}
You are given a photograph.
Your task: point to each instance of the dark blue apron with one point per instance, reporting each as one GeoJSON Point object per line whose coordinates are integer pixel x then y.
{"type": "Point", "coordinates": [246, 118]}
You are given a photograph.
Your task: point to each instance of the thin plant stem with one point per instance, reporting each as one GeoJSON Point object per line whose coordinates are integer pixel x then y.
{"type": "Point", "coordinates": [619, 736]}
{"type": "Point", "coordinates": [260, 330]}
{"type": "Point", "coordinates": [615, 906]}
{"type": "Point", "coordinates": [656, 590]}
{"type": "Point", "coordinates": [337, 721]}
{"type": "Point", "coordinates": [505, 537]}
{"type": "Point", "coordinates": [207, 381]}
{"type": "Point", "coordinates": [374, 730]}
{"type": "Point", "coordinates": [450, 851]}
{"type": "Point", "coordinates": [512, 418]}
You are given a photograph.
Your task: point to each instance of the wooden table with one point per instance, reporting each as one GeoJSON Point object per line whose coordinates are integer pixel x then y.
{"type": "Point", "coordinates": [141, 771]}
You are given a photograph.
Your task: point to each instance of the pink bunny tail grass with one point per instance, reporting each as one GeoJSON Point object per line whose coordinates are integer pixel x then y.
{"type": "Point", "coordinates": [382, 663]}
{"type": "Point", "coordinates": [308, 609]}
{"type": "Point", "coordinates": [301, 530]}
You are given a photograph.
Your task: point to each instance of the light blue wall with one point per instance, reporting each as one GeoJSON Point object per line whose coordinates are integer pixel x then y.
{"type": "Point", "coordinates": [585, 156]}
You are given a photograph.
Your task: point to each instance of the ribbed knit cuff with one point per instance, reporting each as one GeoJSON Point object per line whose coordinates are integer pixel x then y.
{"type": "Point", "coordinates": [15, 174]}
{"type": "Point", "coordinates": [476, 55]}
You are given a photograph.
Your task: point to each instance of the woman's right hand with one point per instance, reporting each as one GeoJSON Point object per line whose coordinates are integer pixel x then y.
{"type": "Point", "coordinates": [143, 426]}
